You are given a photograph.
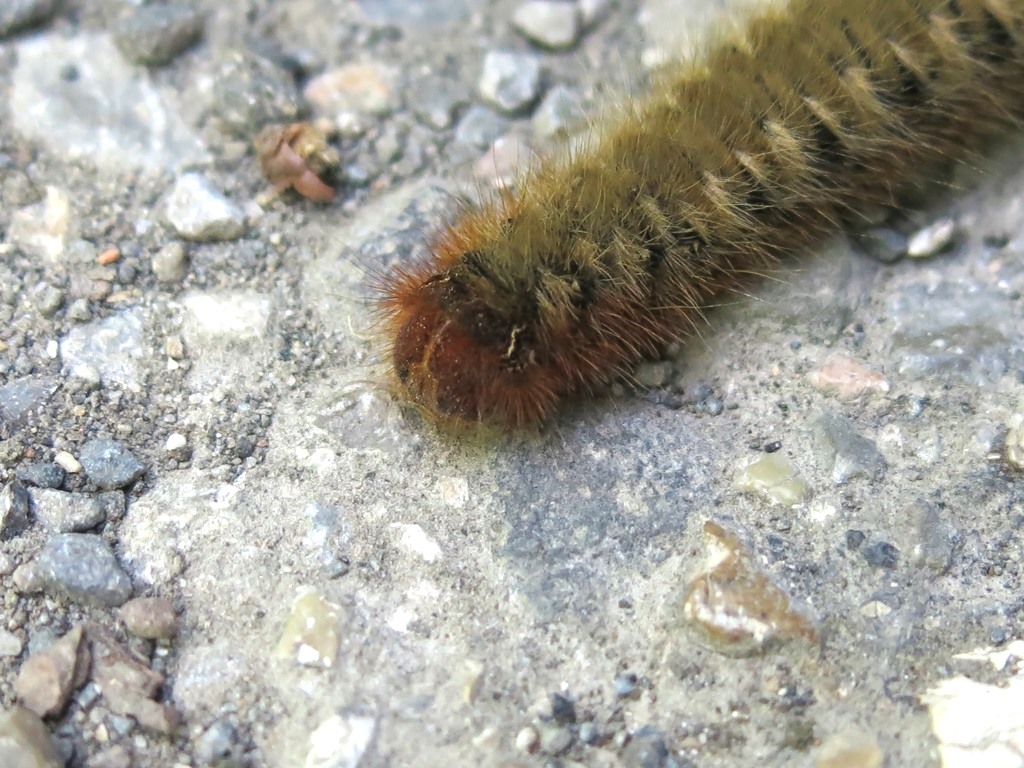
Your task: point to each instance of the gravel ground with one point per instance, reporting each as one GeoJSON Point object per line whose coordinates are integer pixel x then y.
{"type": "Point", "coordinates": [797, 542]}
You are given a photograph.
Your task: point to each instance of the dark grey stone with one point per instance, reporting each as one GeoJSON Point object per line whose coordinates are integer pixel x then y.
{"type": "Point", "coordinates": [81, 567]}
{"type": "Point", "coordinates": [42, 475]}
{"type": "Point", "coordinates": [846, 453]}
{"type": "Point", "coordinates": [250, 91]}
{"type": "Point", "coordinates": [882, 554]}
{"type": "Point", "coordinates": [14, 510]}
{"type": "Point", "coordinates": [109, 464]}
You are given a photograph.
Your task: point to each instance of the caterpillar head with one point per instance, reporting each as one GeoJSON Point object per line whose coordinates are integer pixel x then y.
{"type": "Point", "coordinates": [458, 360]}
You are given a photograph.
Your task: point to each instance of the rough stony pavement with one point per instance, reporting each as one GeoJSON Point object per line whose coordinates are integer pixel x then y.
{"type": "Point", "coordinates": [223, 543]}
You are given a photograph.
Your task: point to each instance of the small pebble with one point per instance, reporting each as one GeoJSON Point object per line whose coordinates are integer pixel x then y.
{"type": "Point", "coordinates": [67, 462]}
{"type": "Point", "coordinates": [250, 90]}
{"type": "Point", "coordinates": [554, 739]}
{"type": "Point", "coordinates": [155, 33]}
{"type": "Point", "coordinates": [774, 478]}
{"type": "Point", "coordinates": [170, 263]}
{"type": "Point", "coordinates": [10, 644]}
{"type": "Point", "coordinates": [14, 510]}
{"type": "Point", "coordinates": [109, 464]}
{"type": "Point", "coordinates": [47, 679]}
{"type": "Point", "coordinates": [563, 710]}
{"type": "Point", "coordinates": [80, 566]}
{"type": "Point", "coordinates": [66, 512]}
{"type": "Point", "coordinates": [847, 378]}
{"type": "Point", "coordinates": [200, 213]}
{"type": "Point", "coordinates": [48, 299]}
{"type": "Point", "coordinates": [854, 539]}
{"type": "Point", "coordinates": [217, 744]}
{"type": "Point", "coordinates": [932, 240]}
{"type": "Point", "coordinates": [310, 636]}
{"type": "Point", "coordinates": [882, 554]}
{"type": "Point", "coordinates": [551, 24]}
{"type": "Point", "coordinates": [1013, 444]}
{"type": "Point", "coordinates": [354, 96]}
{"type": "Point", "coordinates": [733, 605]}
{"type": "Point", "coordinates": [625, 685]}
{"type": "Point", "coordinates": [175, 442]}
{"type": "Point", "coordinates": [151, 618]}
{"type": "Point", "coordinates": [480, 127]}
{"type": "Point", "coordinates": [846, 452]}
{"type": "Point", "coordinates": [527, 739]}
{"type": "Point", "coordinates": [510, 80]}
{"type": "Point", "coordinates": [41, 475]}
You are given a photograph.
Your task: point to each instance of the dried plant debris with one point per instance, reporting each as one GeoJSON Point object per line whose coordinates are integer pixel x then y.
{"type": "Point", "coordinates": [297, 156]}
{"type": "Point", "coordinates": [734, 606]}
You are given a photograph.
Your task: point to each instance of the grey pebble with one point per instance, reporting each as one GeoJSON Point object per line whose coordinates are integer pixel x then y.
{"type": "Point", "coordinates": [854, 539]}
{"type": "Point", "coordinates": [25, 741]}
{"type": "Point", "coordinates": [646, 749]}
{"type": "Point", "coordinates": [200, 213]}
{"type": "Point", "coordinates": [47, 299]}
{"type": "Point", "coordinates": [480, 127]}
{"type": "Point", "coordinates": [109, 464]}
{"type": "Point", "coordinates": [79, 311]}
{"type": "Point", "coordinates": [882, 554]}
{"type": "Point", "coordinates": [65, 512]}
{"type": "Point", "coordinates": [14, 510]}
{"type": "Point", "coordinates": [217, 743]}
{"type": "Point", "coordinates": [114, 346]}
{"type": "Point", "coordinates": [560, 112]}
{"type": "Point", "coordinates": [154, 34]}
{"type": "Point", "coordinates": [170, 263]}
{"type": "Point", "coordinates": [625, 685]}
{"type": "Point", "coordinates": [151, 618]}
{"type": "Point", "coordinates": [847, 453]}
{"type": "Point", "coordinates": [589, 734]}
{"type": "Point", "coordinates": [933, 239]}
{"type": "Point", "coordinates": [80, 566]}
{"type": "Point", "coordinates": [250, 91]}
{"type": "Point", "coordinates": [16, 15]}
{"type": "Point", "coordinates": [18, 398]}
{"type": "Point", "coordinates": [563, 710]}
{"type": "Point", "coordinates": [551, 24]}
{"type": "Point", "coordinates": [510, 81]}
{"type": "Point", "coordinates": [937, 538]}
{"type": "Point", "coordinates": [554, 739]}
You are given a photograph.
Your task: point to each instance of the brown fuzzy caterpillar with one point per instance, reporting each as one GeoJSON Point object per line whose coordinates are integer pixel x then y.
{"type": "Point", "coordinates": [811, 113]}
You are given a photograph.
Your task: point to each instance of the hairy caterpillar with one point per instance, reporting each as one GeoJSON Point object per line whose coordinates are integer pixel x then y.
{"type": "Point", "coordinates": [785, 130]}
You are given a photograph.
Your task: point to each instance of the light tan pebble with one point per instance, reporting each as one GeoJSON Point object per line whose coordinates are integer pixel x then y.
{"type": "Point", "coordinates": [847, 378]}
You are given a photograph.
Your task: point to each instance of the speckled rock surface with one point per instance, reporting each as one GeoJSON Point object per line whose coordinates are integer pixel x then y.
{"type": "Point", "coordinates": [323, 580]}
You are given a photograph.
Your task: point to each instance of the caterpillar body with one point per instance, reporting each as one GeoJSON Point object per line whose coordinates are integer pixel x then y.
{"type": "Point", "coordinates": [780, 134]}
